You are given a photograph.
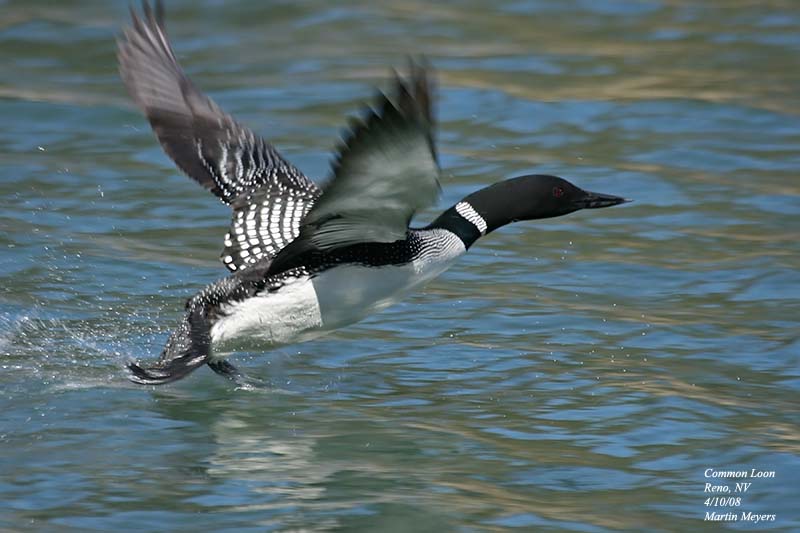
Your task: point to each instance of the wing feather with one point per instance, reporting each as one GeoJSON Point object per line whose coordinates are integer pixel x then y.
{"type": "Point", "coordinates": [385, 171]}
{"type": "Point", "coordinates": [231, 161]}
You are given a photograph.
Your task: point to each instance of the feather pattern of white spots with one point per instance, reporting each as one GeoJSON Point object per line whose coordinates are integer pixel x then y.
{"type": "Point", "coordinates": [225, 157]}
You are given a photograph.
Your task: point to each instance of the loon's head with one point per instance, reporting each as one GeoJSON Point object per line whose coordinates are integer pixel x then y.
{"type": "Point", "coordinates": [532, 197]}
{"type": "Point", "coordinates": [527, 197]}
{"type": "Point", "coordinates": [547, 196]}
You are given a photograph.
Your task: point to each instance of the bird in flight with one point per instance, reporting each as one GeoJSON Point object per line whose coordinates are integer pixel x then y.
{"type": "Point", "coordinates": [303, 259]}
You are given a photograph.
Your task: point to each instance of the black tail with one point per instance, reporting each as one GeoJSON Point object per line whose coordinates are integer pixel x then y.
{"type": "Point", "coordinates": [187, 348]}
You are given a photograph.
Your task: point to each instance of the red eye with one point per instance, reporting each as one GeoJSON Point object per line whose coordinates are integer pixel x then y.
{"type": "Point", "coordinates": [558, 192]}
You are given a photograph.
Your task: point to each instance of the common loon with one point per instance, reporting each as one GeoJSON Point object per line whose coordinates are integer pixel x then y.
{"type": "Point", "coordinates": [306, 260]}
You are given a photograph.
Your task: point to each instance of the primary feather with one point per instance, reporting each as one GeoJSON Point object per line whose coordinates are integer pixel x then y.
{"type": "Point", "coordinates": [268, 195]}
{"type": "Point", "coordinates": [385, 171]}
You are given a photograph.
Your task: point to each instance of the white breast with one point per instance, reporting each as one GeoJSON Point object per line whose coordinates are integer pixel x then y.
{"type": "Point", "coordinates": [305, 308]}
{"type": "Point", "coordinates": [269, 319]}
{"type": "Point", "coordinates": [349, 293]}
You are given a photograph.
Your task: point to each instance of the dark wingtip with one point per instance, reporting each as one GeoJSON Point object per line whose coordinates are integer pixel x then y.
{"type": "Point", "coordinates": [423, 83]}
{"type": "Point", "coordinates": [160, 12]}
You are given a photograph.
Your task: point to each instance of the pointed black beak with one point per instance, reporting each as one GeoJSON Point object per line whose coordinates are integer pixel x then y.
{"type": "Point", "coordinates": [593, 200]}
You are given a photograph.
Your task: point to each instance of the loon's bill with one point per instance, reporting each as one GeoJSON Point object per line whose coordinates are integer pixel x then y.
{"type": "Point", "coordinates": [594, 200]}
{"type": "Point", "coordinates": [306, 260]}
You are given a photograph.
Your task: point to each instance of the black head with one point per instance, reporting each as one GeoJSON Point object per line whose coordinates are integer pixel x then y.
{"type": "Point", "coordinates": [551, 196]}
{"type": "Point", "coordinates": [522, 198]}
{"type": "Point", "coordinates": [534, 196]}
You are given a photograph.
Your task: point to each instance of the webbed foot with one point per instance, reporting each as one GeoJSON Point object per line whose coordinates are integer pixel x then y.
{"type": "Point", "coordinates": [226, 369]}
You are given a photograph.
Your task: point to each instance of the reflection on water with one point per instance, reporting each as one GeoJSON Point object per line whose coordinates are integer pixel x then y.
{"type": "Point", "coordinates": [572, 374]}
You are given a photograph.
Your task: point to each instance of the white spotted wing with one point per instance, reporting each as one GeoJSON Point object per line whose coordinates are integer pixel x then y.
{"type": "Point", "coordinates": [268, 195]}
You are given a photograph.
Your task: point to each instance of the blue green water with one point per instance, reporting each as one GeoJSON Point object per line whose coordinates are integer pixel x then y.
{"type": "Point", "coordinates": [574, 374]}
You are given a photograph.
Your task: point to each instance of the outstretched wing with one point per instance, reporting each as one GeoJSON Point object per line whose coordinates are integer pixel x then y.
{"type": "Point", "coordinates": [385, 171]}
{"type": "Point", "coordinates": [231, 161]}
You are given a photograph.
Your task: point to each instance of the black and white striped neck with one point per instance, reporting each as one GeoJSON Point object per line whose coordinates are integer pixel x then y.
{"type": "Point", "coordinates": [464, 221]}
{"type": "Point", "coordinates": [523, 198]}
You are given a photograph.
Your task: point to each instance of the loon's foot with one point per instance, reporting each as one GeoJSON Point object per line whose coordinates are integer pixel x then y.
{"type": "Point", "coordinates": [226, 369]}
{"type": "Point", "coordinates": [186, 350]}
{"type": "Point", "coordinates": [161, 373]}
